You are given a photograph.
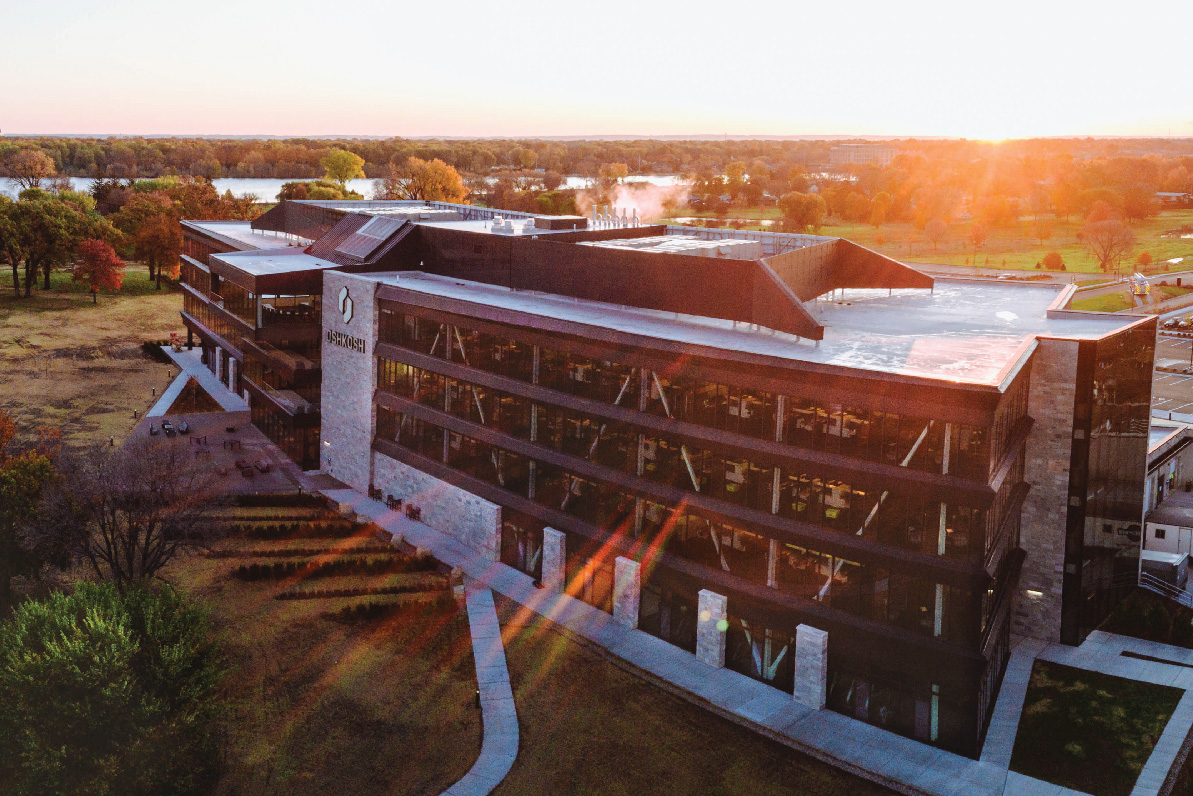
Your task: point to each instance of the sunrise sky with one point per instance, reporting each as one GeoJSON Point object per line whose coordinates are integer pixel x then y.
{"type": "Point", "coordinates": [978, 70]}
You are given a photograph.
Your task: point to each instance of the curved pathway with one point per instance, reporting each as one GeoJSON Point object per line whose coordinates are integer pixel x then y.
{"type": "Point", "coordinates": [500, 719]}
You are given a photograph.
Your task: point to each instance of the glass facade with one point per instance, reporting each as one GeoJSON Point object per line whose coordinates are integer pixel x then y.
{"type": "Point", "coordinates": [1107, 474]}
{"type": "Point", "coordinates": [552, 430]}
{"type": "Point", "coordinates": [290, 380]}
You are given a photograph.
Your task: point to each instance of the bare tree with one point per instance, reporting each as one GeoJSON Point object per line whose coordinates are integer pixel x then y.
{"type": "Point", "coordinates": [128, 512]}
{"type": "Point", "coordinates": [1108, 241]}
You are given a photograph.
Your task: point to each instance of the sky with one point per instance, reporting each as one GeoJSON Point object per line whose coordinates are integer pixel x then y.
{"type": "Point", "coordinates": [1010, 69]}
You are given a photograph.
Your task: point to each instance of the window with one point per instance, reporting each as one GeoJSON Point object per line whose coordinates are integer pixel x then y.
{"type": "Point", "coordinates": [1160, 532]}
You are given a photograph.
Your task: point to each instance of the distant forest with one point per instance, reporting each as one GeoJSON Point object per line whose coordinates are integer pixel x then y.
{"type": "Point", "coordinates": [299, 158]}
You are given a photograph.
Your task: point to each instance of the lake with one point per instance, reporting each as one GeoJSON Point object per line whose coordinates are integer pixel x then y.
{"type": "Point", "coordinates": [266, 189]}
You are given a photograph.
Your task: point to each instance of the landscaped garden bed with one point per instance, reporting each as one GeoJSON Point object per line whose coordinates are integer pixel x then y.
{"type": "Point", "coordinates": [1088, 731]}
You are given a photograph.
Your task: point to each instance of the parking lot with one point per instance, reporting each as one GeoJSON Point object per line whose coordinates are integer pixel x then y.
{"type": "Point", "coordinates": [1173, 392]}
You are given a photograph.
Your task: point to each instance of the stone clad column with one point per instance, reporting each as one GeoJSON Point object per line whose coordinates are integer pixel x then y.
{"type": "Point", "coordinates": [627, 592]}
{"type": "Point", "coordinates": [712, 622]}
{"type": "Point", "coordinates": [811, 666]}
{"type": "Point", "coordinates": [554, 556]}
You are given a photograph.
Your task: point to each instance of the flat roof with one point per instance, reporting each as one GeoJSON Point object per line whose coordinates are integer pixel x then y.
{"type": "Point", "coordinates": [242, 233]}
{"type": "Point", "coordinates": [963, 331]}
{"type": "Point", "coordinates": [271, 262]}
{"type": "Point", "coordinates": [487, 226]}
{"type": "Point", "coordinates": [1175, 509]}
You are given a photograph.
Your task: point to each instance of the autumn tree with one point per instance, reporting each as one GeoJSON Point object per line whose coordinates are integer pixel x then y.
{"type": "Point", "coordinates": [417, 179]}
{"type": "Point", "coordinates": [340, 165]}
{"type": "Point", "coordinates": [48, 230]}
{"type": "Point", "coordinates": [1042, 228]}
{"type": "Point", "coordinates": [935, 231]}
{"type": "Point", "coordinates": [879, 207]}
{"type": "Point", "coordinates": [525, 158]}
{"type": "Point", "coordinates": [802, 211]}
{"type": "Point", "coordinates": [977, 234]}
{"type": "Point", "coordinates": [99, 266]}
{"type": "Point", "coordinates": [24, 473]}
{"type": "Point", "coordinates": [1139, 202]}
{"type": "Point", "coordinates": [612, 173]}
{"type": "Point", "coordinates": [29, 167]}
{"type": "Point", "coordinates": [1053, 261]}
{"type": "Point", "coordinates": [10, 242]}
{"type": "Point", "coordinates": [1108, 241]}
{"type": "Point", "coordinates": [1144, 258]}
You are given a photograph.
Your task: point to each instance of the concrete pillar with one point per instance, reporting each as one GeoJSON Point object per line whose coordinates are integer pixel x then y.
{"type": "Point", "coordinates": [554, 558]}
{"type": "Point", "coordinates": [218, 370]}
{"type": "Point", "coordinates": [811, 666]}
{"type": "Point", "coordinates": [712, 622]}
{"type": "Point", "coordinates": [627, 592]}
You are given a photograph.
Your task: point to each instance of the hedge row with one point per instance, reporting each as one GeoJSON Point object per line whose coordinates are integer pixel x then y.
{"type": "Point", "coordinates": [372, 548]}
{"type": "Point", "coordinates": [153, 348]}
{"type": "Point", "coordinates": [281, 500]}
{"type": "Point", "coordinates": [333, 529]}
{"type": "Point", "coordinates": [364, 612]}
{"type": "Point", "coordinates": [389, 565]}
{"type": "Point", "coordinates": [323, 594]}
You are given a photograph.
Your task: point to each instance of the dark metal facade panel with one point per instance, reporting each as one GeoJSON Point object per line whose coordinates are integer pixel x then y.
{"type": "Point", "coordinates": [738, 290]}
{"type": "Point", "coordinates": [815, 270]}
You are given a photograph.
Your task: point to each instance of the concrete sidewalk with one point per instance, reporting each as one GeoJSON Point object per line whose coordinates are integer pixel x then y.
{"type": "Point", "coordinates": [190, 364]}
{"type": "Point", "coordinates": [900, 763]}
{"type": "Point", "coordinates": [500, 744]}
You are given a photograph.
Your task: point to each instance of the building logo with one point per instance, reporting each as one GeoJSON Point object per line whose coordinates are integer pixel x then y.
{"type": "Point", "coordinates": [345, 305]}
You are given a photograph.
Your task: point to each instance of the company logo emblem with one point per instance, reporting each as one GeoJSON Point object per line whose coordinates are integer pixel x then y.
{"type": "Point", "coordinates": [345, 305]}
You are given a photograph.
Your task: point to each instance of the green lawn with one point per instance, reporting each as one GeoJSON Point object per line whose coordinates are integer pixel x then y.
{"type": "Point", "coordinates": [589, 727]}
{"type": "Point", "coordinates": [1012, 247]}
{"type": "Point", "coordinates": [1088, 731]}
{"type": "Point", "coordinates": [1109, 302]}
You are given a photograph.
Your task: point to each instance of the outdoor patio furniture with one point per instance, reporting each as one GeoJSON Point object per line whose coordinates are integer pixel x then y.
{"type": "Point", "coordinates": [153, 432]}
{"type": "Point", "coordinates": [413, 512]}
{"type": "Point", "coordinates": [248, 472]}
{"type": "Point", "coordinates": [183, 428]}
{"type": "Point", "coordinates": [241, 464]}
{"type": "Point", "coordinates": [263, 466]}
{"type": "Point", "coordinates": [230, 429]}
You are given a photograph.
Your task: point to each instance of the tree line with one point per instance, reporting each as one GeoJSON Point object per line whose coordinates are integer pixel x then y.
{"type": "Point", "coordinates": [51, 226]}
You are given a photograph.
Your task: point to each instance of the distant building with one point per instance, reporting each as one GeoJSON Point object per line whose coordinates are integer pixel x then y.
{"type": "Point", "coordinates": [1173, 197]}
{"type": "Point", "coordinates": [876, 154]}
{"type": "Point", "coordinates": [777, 446]}
{"type": "Point", "coordinates": [1168, 502]}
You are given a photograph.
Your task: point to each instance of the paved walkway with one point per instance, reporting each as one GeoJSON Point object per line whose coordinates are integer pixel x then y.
{"type": "Point", "coordinates": [900, 763]}
{"type": "Point", "coordinates": [190, 364]}
{"type": "Point", "coordinates": [500, 744]}
{"type": "Point", "coordinates": [169, 396]}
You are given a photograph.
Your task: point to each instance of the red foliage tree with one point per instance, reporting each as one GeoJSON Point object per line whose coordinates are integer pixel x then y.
{"type": "Point", "coordinates": [98, 265]}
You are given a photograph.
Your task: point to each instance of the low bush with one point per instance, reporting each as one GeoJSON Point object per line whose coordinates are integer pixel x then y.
{"type": "Point", "coordinates": [359, 591]}
{"type": "Point", "coordinates": [394, 564]}
{"type": "Point", "coordinates": [153, 349]}
{"type": "Point", "coordinates": [441, 603]}
{"type": "Point", "coordinates": [281, 500]}
{"type": "Point", "coordinates": [1149, 616]}
{"type": "Point", "coordinates": [324, 529]}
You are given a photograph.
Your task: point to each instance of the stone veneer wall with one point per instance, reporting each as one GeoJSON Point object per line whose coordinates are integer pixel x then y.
{"type": "Point", "coordinates": [349, 378]}
{"type": "Point", "coordinates": [457, 512]}
{"type": "Point", "coordinates": [1050, 404]}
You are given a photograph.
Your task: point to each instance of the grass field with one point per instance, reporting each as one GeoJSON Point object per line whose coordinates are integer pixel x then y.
{"type": "Point", "coordinates": [71, 364]}
{"type": "Point", "coordinates": [1010, 248]}
{"type": "Point", "coordinates": [1088, 731]}
{"type": "Point", "coordinates": [589, 727]}
{"type": "Point", "coordinates": [320, 706]}
{"type": "Point", "coordinates": [1108, 302]}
